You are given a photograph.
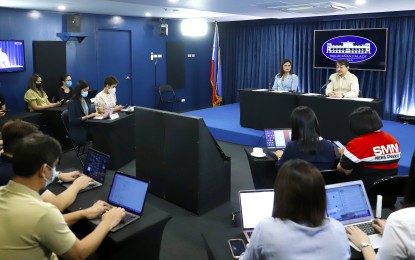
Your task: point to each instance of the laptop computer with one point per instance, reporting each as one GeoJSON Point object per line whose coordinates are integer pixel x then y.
{"type": "Point", "coordinates": [348, 203]}
{"type": "Point", "coordinates": [129, 193]}
{"type": "Point", "coordinates": [255, 205]}
{"type": "Point", "coordinates": [277, 139]}
{"type": "Point", "coordinates": [95, 167]}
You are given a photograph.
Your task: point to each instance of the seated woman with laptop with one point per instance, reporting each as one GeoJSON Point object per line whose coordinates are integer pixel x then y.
{"type": "Point", "coordinates": [372, 153]}
{"type": "Point", "coordinates": [306, 142]}
{"type": "Point", "coordinates": [107, 99]}
{"type": "Point", "coordinates": [298, 228]}
{"type": "Point", "coordinates": [79, 110]}
{"type": "Point", "coordinates": [398, 230]}
{"type": "Point", "coordinates": [35, 97]}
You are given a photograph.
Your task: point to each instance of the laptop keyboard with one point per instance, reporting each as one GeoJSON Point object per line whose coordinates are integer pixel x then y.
{"type": "Point", "coordinates": [127, 218]}
{"type": "Point", "coordinates": [367, 228]}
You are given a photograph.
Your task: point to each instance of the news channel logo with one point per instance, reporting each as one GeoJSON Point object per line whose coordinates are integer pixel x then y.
{"type": "Point", "coordinates": [353, 48]}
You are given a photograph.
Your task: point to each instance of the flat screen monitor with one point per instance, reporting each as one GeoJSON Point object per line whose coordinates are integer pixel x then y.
{"type": "Point", "coordinates": [12, 56]}
{"type": "Point", "coordinates": [365, 49]}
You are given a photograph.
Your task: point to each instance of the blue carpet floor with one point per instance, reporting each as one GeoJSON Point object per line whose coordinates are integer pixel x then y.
{"type": "Point", "coordinates": [223, 123]}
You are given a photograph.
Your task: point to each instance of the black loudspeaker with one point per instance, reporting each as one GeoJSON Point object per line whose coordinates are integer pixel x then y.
{"type": "Point", "coordinates": [175, 64]}
{"type": "Point", "coordinates": [72, 23]}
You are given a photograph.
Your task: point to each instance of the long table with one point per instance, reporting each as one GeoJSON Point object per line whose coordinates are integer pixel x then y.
{"type": "Point", "coordinates": [139, 240]}
{"type": "Point", "coordinates": [269, 109]}
{"type": "Point", "coordinates": [25, 116]}
{"type": "Point", "coordinates": [115, 138]}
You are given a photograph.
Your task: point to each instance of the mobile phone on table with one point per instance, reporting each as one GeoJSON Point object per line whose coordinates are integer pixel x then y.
{"type": "Point", "coordinates": [237, 247]}
{"type": "Point", "coordinates": [338, 144]}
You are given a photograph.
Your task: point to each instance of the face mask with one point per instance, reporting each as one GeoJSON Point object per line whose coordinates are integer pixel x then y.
{"type": "Point", "coordinates": [54, 175]}
{"type": "Point", "coordinates": [84, 94]}
{"type": "Point", "coordinates": [112, 90]}
{"type": "Point", "coordinates": [39, 85]}
{"type": "Point", "coordinates": [68, 83]}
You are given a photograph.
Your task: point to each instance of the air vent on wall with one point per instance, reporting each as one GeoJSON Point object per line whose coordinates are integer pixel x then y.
{"type": "Point", "coordinates": [313, 8]}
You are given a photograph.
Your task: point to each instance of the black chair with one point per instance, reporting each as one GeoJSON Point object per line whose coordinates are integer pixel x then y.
{"type": "Point", "coordinates": [333, 176]}
{"type": "Point", "coordinates": [79, 149]}
{"type": "Point", "coordinates": [390, 187]}
{"type": "Point", "coordinates": [167, 96]}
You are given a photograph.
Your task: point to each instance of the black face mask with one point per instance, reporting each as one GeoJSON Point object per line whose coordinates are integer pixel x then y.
{"type": "Point", "coordinates": [39, 85]}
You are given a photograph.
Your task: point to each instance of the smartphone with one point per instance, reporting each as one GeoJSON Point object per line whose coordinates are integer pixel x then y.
{"type": "Point", "coordinates": [338, 144]}
{"type": "Point", "coordinates": [237, 247]}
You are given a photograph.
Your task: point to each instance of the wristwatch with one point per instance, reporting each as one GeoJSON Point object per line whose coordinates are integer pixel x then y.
{"type": "Point", "coordinates": [364, 244]}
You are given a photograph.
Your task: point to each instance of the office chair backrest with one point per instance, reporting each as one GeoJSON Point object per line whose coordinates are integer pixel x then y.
{"type": "Point", "coordinates": [333, 176]}
{"type": "Point", "coordinates": [166, 92]}
{"type": "Point", "coordinates": [65, 120]}
{"type": "Point", "coordinates": [391, 186]}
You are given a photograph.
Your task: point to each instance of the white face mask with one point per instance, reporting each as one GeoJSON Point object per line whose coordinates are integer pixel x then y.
{"type": "Point", "coordinates": [112, 90]}
{"type": "Point", "coordinates": [84, 94]}
{"type": "Point", "coordinates": [54, 175]}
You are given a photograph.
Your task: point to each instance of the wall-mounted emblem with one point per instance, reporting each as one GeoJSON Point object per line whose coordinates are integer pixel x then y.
{"type": "Point", "coordinates": [353, 48]}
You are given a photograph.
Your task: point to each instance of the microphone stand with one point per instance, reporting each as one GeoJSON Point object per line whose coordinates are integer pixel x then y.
{"type": "Point", "coordinates": [271, 83]}
{"type": "Point", "coordinates": [155, 82]}
{"type": "Point", "coordinates": [323, 88]}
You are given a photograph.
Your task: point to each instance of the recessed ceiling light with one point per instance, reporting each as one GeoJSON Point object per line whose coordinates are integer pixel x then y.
{"type": "Point", "coordinates": [61, 7]}
{"type": "Point", "coordinates": [147, 14]}
{"type": "Point", "coordinates": [360, 2]}
{"type": "Point", "coordinates": [173, 1]}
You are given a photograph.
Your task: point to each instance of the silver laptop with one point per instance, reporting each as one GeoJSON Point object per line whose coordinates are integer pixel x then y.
{"type": "Point", "coordinates": [277, 139]}
{"type": "Point", "coordinates": [129, 193]}
{"type": "Point", "coordinates": [255, 205]}
{"type": "Point", "coordinates": [95, 167]}
{"type": "Point", "coordinates": [348, 203]}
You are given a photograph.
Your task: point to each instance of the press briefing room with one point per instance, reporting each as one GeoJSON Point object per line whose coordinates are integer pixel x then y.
{"type": "Point", "coordinates": [180, 129]}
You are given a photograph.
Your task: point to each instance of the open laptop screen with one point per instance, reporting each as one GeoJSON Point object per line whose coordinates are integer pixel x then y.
{"type": "Point", "coordinates": [347, 202]}
{"type": "Point", "coordinates": [96, 165]}
{"type": "Point", "coordinates": [277, 138]}
{"type": "Point", "coordinates": [255, 205]}
{"type": "Point", "coordinates": [128, 192]}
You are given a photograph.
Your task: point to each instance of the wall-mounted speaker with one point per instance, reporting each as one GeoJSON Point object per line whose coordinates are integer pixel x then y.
{"type": "Point", "coordinates": [72, 23]}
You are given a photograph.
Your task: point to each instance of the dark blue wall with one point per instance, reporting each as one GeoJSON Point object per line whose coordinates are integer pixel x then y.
{"type": "Point", "coordinates": [82, 56]}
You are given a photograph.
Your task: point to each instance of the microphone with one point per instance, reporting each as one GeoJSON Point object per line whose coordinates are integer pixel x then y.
{"type": "Point", "coordinates": [323, 88]}
{"type": "Point", "coordinates": [271, 83]}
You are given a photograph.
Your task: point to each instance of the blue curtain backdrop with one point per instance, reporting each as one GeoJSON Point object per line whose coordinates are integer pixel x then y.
{"type": "Point", "coordinates": [251, 53]}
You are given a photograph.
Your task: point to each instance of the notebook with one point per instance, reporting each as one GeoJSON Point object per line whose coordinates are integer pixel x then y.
{"type": "Point", "coordinates": [129, 193]}
{"type": "Point", "coordinates": [95, 167]}
{"type": "Point", "coordinates": [348, 203]}
{"type": "Point", "coordinates": [277, 139]}
{"type": "Point", "coordinates": [106, 114]}
{"type": "Point", "coordinates": [255, 205]}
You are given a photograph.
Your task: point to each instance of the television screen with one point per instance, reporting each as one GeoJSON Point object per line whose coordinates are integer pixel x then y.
{"type": "Point", "coordinates": [365, 49]}
{"type": "Point", "coordinates": [12, 56]}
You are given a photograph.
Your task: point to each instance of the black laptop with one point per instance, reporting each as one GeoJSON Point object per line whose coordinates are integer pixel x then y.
{"type": "Point", "coordinates": [95, 167]}
{"type": "Point", "coordinates": [277, 139]}
{"type": "Point", "coordinates": [127, 192]}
